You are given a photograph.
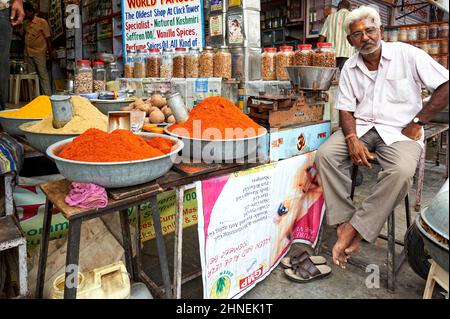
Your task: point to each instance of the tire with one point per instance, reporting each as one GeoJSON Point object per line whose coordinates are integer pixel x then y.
{"type": "Point", "coordinates": [415, 252]}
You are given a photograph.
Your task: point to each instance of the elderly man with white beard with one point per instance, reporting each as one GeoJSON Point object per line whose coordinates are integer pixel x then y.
{"type": "Point", "coordinates": [380, 110]}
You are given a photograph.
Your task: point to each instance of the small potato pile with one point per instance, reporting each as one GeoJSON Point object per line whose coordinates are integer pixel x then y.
{"type": "Point", "coordinates": [156, 109]}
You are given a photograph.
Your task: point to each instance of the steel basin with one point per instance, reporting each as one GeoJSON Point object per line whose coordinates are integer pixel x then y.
{"type": "Point", "coordinates": [11, 125]}
{"type": "Point", "coordinates": [106, 106]}
{"type": "Point", "coordinates": [115, 174]}
{"type": "Point", "coordinates": [311, 77]}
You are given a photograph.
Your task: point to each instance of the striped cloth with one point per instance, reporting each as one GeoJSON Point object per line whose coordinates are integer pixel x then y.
{"type": "Point", "coordinates": [11, 154]}
{"type": "Point", "coordinates": [333, 30]}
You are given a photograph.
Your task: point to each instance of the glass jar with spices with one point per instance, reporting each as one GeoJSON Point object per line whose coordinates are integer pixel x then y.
{"type": "Point", "coordinates": [444, 61]}
{"type": "Point", "coordinates": [83, 77]}
{"type": "Point", "coordinates": [403, 34]}
{"type": "Point", "coordinates": [153, 63]}
{"type": "Point", "coordinates": [222, 63]}
{"type": "Point", "coordinates": [285, 57]}
{"type": "Point", "coordinates": [99, 75]}
{"type": "Point", "coordinates": [443, 46]}
{"type": "Point", "coordinates": [165, 70]}
{"type": "Point", "coordinates": [178, 63]}
{"type": "Point", "coordinates": [393, 35]}
{"type": "Point", "coordinates": [443, 30]}
{"type": "Point", "coordinates": [139, 64]}
{"type": "Point", "coordinates": [128, 68]}
{"type": "Point", "coordinates": [206, 63]}
{"type": "Point", "coordinates": [112, 72]}
{"type": "Point", "coordinates": [425, 45]}
{"type": "Point", "coordinates": [386, 35]}
{"type": "Point", "coordinates": [412, 33]}
{"type": "Point", "coordinates": [422, 32]}
{"type": "Point", "coordinates": [304, 55]}
{"type": "Point", "coordinates": [268, 64]}
{"type": "Point", "coordinates": [433, 48]}
{"type": "Point", "coordinates": [191, 63]}
{"type": "Point", "coordinates": [325, 55]}
{"type": "Point", "coordinates": [433, 31]}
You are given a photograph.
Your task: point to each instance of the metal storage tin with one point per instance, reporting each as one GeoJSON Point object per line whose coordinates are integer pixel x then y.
{"type": "Point", "coordinates": [246, 64]}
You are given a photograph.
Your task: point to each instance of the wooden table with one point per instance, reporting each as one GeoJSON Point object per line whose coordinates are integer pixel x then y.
{"type": "Point", "coordinates": [120, 200]}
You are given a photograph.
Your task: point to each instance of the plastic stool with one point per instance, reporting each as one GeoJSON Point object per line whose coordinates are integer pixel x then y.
{"type": "Point", "coordinates": [15, 82]}
{"type": "Point", "coordinates": [435, 275]}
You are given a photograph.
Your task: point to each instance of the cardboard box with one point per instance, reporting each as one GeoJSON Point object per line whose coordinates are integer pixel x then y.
{"type": "Point", "coordinates": [293, 141]}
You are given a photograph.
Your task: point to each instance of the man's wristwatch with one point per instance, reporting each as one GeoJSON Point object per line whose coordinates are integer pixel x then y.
{"type": "Point", "coordinates": [416, 120]}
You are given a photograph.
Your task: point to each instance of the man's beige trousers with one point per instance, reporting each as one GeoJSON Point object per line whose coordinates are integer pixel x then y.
{"type": "Point", "coordinates": [398, 162]}
{"type": "Point", "coordinates": [38, 64]}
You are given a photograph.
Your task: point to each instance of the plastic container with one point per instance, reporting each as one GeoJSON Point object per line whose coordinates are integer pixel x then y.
{"type": "Point", "coordinates": [191, 63]}
{"type": "Point", "coordinates": [325, 55]}
{"type": "Point", "coordinates": [269, 64]}
{"type": "Point", "coordinates": [206, 63]}
{"type": "Point", "coordinates": [443, 46]}
{"type": "Point", "coordinates": [433, 31]}
{"type": "Point", "coordinates": [99, 74]}
{"type": "Point", "coordinates": [108, 282]}
{"type": "Point", "coordinates": [178, 63]}
{"type": "Point", "coordinates": [412, 34]}
{"type": "Point", "coordinates": [139, 64]}
{"type": "Point", "coordinates": [434, 47]}
{"type": "Point", "coordinates": [165, 69]}
{"type": "Point", "coordinates": [422, 32]}
{"type": "Point", "coordinates": [153, 63]}
{"type": "Point", "coordinates": [83, 77]}
{"type": "Point", "coordinates": [403, 34]}
{"type": "Point", "coordinates": [222, 63]}
{"type": "Point", "coordinates": [393, 35]}
{"type": "Point", "coordinates": [304, 55]}
{"type": "Point", "coordinates": [128, 68]}
{"type": "Point", "coordinates": [285, 57]}
{"type": "Point", "coordinates": [443, 31]}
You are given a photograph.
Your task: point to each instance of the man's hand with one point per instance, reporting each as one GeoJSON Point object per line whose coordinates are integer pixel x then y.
{"type": "Point", "coordinates": [358, 152]}
{"type": "Point", "coordinates": [413, 131]}
{"type": "Point", "coordinates": [17, 13]}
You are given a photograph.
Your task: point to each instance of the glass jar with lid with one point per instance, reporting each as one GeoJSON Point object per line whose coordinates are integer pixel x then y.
{"type": "Point", "coordinates": [304, 55]}
{"type": "Point", "coordinates": [268, 64]}
{"type": "Point", "coordinates": [443, 46]}
{"type": "Point", "coordinates": [165, 70]}
{"type": "Point", "coordinates": [425, 46]}
{"type": "Point", "coordinates": [191, 63]}
{"type": "Point", "coordinates": [112, 72]}
{"type": "Point", "coordinates": [99, 75]}
{"type": "Point", "coordinates": [325, 55]}
{"type": "Point", "coordinates": [412, 33]}
{"type": "Point", "coordinates": [422, 32]}
{"type": "Point", "coordinates": [152, 63]}
{"type": "Point", "coordinates": [403, 34]}
{"type": "Point", "coordinates": [222, 63]}
{"type": "Point", "coordinates": [386, 32]}
{"type": "Point", "coordinates": [434, 48]}
{"type": "Point", "coordinates": [178, 63]}
{"type": "Point", "coordinates": [433, 31]}
{"type": "Point", "coordinates": [128, 68]}
{"type": "Point", "coordinates": [284, 58]}
{"type": "Point", "coordinates": [83, 77]}
{"type": "Point", "coordinates": [139, 64]}
{"type": "Point", "coordinates": [393, 35]}
{"type": "Point", "coordinates": [443, 30]}
{"type": "Point", "coordinates": [206, 63]}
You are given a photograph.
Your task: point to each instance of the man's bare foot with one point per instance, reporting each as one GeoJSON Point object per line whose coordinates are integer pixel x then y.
{"type": "Point", "coordinates": [354, 246]}
{"type": "Point", "coordinates": [346, 234]}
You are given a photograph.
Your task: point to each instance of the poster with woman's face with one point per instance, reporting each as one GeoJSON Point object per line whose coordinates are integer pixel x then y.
{"type": "Point", "coordinates": [235, 29]}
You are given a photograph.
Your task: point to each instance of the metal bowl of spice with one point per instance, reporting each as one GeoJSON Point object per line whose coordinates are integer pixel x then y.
{"type": "Point", "coordinates": [115, 174]}
{"type": "Point", "coordinates": [11, 124]}
{"type": "Point", "coordinates": [41, 141]}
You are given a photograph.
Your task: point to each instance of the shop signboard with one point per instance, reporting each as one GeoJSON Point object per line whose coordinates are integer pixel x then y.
{"type": "Point", "coordinates": [162, 24]}
{"type": "Point", "coordinates": [248, 220]}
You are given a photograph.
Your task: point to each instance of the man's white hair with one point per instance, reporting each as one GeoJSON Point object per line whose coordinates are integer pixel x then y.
{"type": "Point", "coordinates": [362, 12]}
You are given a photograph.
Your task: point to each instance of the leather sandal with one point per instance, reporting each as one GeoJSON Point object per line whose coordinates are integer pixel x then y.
{"type": "Point", "coordinates": [298, 256]}
{"type": "Point", "coordinates": [306, 271]}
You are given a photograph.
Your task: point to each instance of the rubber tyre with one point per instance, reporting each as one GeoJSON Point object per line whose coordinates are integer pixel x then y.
{"type": "Point", "coordinates": [416, 255]}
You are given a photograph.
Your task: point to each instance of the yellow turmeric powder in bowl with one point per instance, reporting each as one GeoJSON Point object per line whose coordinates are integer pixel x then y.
{"type": "Point", "coordinates": [39, 108]}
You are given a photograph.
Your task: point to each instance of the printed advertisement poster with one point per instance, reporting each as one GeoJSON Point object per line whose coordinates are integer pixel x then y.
{"type": "Point", "coordinates": [162, 24]}
{"type": "Point", "coordinates": [235, 29]}
{"type": "Point", "coordinates": [249, 219]}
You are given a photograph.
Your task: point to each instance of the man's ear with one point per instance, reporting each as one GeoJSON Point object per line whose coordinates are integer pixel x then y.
{"type": "Point", "coordinates": [381, 30]}
{"type": "Point", "coordinates": [349, 39]}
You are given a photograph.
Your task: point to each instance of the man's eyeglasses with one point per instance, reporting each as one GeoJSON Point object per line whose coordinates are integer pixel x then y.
{"type": "Point", "coordinates": [358, 35]}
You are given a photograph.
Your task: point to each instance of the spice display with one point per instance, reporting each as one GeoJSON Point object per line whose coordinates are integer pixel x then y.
{"type": "Point", "coordinates": [83, 77]}
{"type": "Point", "coordinates": [128, 68]}
{"type": "Point", "coordinates": [422, 32]}
{"type": "Point", "coordinates": [412, 33]}
{"type": "Point", "coordinates": [443, 31]}
{"type": "Point", "coordinates": [153, 63]}
{"type": "Point", "coordinates": [269, 64]}
{"type": "Point", "coordinates": [304, 55]}
{"type": "Point", "coordinates": [98, 146]}
{"type": "Point", "coordinates": [139, 64]}
{"type": "Point", "coordinates": [85, 116]}
{"type": "Point", "coordinates": [191, 63]}
{"type": "Point", "coordinates": [39, 108]}
{"type": "Point", "coordinates": [165, 70]}
{"type": "Point", "coordinates": [284, 58]}
{"type": "Point", "coordinates": [222, 63]}
{"type": "Point", "coordinates": [206, 63]}
{"type": "Point", "coordinates": [324, 56]}
{"type": "Point", "coordinates": [178, 63]}
{"type": "Point", "coordinates": [219, 114]}
{"type": "Point", "coordinates": [433, 31]}
{"type": "Point", "coordinates": [156, 109]}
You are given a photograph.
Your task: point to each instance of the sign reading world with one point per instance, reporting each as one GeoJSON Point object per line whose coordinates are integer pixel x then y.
{"type": "Point", "coordinates": [161, 24]}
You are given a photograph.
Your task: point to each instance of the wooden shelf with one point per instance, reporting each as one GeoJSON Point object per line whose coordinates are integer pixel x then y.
{"type": "Point", "coordinates": [414, 25]}
{"type": "Point", "coordinates": [422, 41]}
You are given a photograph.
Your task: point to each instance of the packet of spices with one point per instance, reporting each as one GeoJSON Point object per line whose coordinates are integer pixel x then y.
{"type": "Point", "coordinates": [137, 120]}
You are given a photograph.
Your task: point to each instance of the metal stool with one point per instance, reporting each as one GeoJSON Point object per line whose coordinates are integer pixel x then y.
{"type": "Point", "coordinates": [391, 241]}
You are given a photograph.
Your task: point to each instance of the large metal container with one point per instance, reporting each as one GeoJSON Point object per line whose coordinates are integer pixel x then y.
{"type": "Point", "coordinates": [311, 77]}
{"type": "Point", "coordinates": [219, 151]}
{"type": "Point", "coordinates": [115, 174]}
{"type": "Point", "coordinates": [106, 106]}
{"type": "Point", "coordinates": [248, 21]}
{"type": "Point", "coordinates": [246, 64]}
{"type": "Point", "coordinates": [11, 124]}
{"type": "Point", "coordinates": [41, 141]}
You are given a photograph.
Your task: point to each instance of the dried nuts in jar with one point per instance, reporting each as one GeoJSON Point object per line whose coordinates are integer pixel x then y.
{"type": "Point", "coordinates": [128, 68]}
{"type": "Point", "coordinates": [324, 56]}
{"type": "Point", "coordinates": [269, 64]}
{"type": "Point", "coordinates": [152, 64]}
{"type": "Point", "coordinates": [304, 55]}
{"type": "Point", "coordinates": [206, 63]}
{"type": "Point", "coordinates": [284, 58]}
{"type": "Point", "coordinates": [139, 65]}
{"type": "Point", "coordinates": [178, 63]}
{"type": "Point", "coordinates": [83, 77]}
{"type": "Point", "coordinates": [222, 63]}
{"type": "Point", "coordinates": [191, 61]}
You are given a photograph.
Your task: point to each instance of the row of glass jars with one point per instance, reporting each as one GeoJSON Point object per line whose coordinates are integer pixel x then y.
{"type": "Point", "coordinates": [179, 63]}
{"type": "Point", "coordinates": [273, 63]}
{"type": "Point", "coordinates": [416, 33]}
{"type": "Point", "coordinates": [93, 79]}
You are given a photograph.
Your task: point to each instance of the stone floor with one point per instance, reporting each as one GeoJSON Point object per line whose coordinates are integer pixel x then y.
{"type": "Point", "coordinates": [341, 284]}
